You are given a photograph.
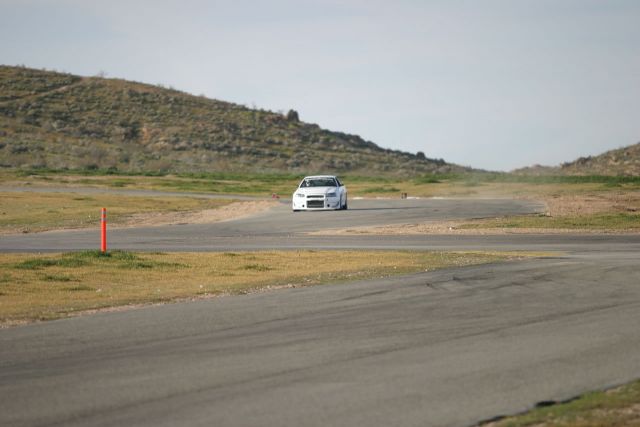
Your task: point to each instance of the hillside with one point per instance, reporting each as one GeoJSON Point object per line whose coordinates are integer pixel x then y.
{"type": "Point", "coordinates": [623, 161]}
{"type": "Point", "coordinates": [56, 120]}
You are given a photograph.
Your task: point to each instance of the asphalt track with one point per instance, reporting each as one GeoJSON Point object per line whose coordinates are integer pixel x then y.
{"type": "Point", "coordinates": [274, 229]}
{"type": "Point", "coordinates": [444, 348]}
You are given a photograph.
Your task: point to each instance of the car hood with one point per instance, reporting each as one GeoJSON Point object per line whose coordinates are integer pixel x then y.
{"type": "Point", "coordinates": [316, 190]}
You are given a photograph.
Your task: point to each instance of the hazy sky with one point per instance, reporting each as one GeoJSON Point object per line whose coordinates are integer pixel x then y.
{"type": "Point", "coordinates": [486, 83]}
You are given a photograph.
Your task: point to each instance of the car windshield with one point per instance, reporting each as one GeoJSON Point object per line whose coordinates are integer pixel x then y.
{"type": "Point", "coordinates": [318, 182]}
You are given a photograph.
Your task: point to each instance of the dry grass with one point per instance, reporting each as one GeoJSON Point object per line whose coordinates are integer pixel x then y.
{"type": "Point", "coordinates": [40, 287]}
{"type": "Point", "coordinates": [370, 187]}
{"type": "Point", "coordinates": [571, 206]}
{"type": "Point", "coordinates": [612, 408]}
{"type": "Point", "coordinates": [482, 189]}
{"type": "Point", "coordinates": [249, 184]}
{"type": "Point", "coordinates": [30, 212]}
{"type": "Point", "coordinates": [588, 223]}
{"type": "Point", "coordinates": [583, 207]}
{"type": "Point", "coordinates": [586, 209]}
{"type": "Point", "coordinates": [594, 202]}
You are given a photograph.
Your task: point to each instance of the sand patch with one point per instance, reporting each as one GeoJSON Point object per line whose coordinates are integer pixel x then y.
{"type": "Point", "coordinates": [454, 228]}
{"type": "Point", "coordinates": [235, 210]}
{"type": "Point", "coordinates": [592, 203]}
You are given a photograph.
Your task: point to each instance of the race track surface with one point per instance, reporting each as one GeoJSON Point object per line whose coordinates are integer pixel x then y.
{"type": "Point", "coordinates": [444, 348]}
{"type": "Point", "coordinates": [272, 227]}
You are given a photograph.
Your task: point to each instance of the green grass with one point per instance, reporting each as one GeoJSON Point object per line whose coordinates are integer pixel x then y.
{"type": "Point", "coordinates": [435, 178]}
{"type": "Point", "coordinates": [57, 278]}
{"type": "Point", "coordinates": [117, 259]}
{"type": "Point", "coordinates": [428, 179]}
{"type": "Point", "coordinates": [218, 182]}
{"type": "Point", "coordinates": [370, 190]}
{"type": "Point", "coordinates": [595, 409]}
{"type": "Point", "coordinates": [499, 177]}
{"type": "Point", "coordinates": [233, 176]}
{"type": "Point", "coordinates": [79, 288]}
{"type": "Point", "coordinates": [257, 267]}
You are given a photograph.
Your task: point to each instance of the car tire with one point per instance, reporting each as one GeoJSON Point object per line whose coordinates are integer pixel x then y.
{"type": "Point", "coordinates": [345, 207]}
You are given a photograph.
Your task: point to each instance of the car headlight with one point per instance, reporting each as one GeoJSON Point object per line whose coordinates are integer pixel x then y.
{"type": "Point", "coordinates": [299, 194]}
{"type": "Point", "coordinates": [331, 194]}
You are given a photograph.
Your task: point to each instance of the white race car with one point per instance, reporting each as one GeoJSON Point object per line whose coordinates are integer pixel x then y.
{"type": "Point", "coordinates": [323, 192]}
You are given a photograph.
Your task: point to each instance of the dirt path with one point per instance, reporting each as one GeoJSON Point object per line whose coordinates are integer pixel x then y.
{"type": "Point", "coordinates": [33, 96]}
{"type": "Point", "coordinates": [235, 210]}
{"type": "Point", "coordinates": [557, 206]}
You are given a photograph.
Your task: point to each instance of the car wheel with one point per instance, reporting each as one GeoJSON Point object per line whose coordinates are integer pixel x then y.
{"type": "Point", "coordinates": [344, 207]}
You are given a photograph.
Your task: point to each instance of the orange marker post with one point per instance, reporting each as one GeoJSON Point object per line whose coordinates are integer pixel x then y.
{"type": "Point", "coordinates": [103, 225]}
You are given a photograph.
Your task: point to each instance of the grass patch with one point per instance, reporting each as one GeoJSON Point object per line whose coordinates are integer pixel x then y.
{"type": "Point", "coordinates": [34, 264]}
{"type": "Point", "coordinates": [38, 286]}
{"type": "Point", "coordinates": [616, 407]}
{"type": "Point", "coordinates": [559, 179]}
{"type": "Point", "coordinates": [606, 221]}
{"type": "Point", "coordinates": [591, 202]}
{"type": "Point", "coordinates": [32, 211]}
{"type": "Point", "coordinates": [370, 190]}
{"type": "Point", "coordinates": [428, 179]}
{"type": "Point", "coordinates": [257, 267]}
{"type": "Point", "coordinates": [264, 184]}
{"type": "Point", "coordinates": [503, 177]}
{"type": "Point", "coordinates": [79, 288]}
{"type": "Point", "coordinates": [57, 278]}
{"type": "Point", "coordinates": [118, 259]}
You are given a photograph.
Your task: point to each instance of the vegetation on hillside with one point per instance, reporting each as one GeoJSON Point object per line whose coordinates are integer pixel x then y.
{"type": "Point", "coordinates": [60, 121]}
{"type": "Point", "coordinates": [623, 161]}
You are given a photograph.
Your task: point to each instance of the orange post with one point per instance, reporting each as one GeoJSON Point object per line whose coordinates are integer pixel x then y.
{"type": "Point", "coordinates": [103, 225]}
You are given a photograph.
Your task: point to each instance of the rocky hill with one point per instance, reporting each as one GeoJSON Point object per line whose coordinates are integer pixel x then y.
{"type": "Point", "coordinates": [619, 162]}
{"type": "Point", "coordinates": [622, 162]}
{"type": "Point", "coordinates": [56, 120]}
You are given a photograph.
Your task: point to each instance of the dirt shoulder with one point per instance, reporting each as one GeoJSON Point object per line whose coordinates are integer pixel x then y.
{"type": "Point", "coordinates": [593, 213]}
{"type": "Point", "coordinates": [235, 210]}
{"type": "Point", "coordinates": [460, 228]}
{"type": "Point", "coordinates": [585, 204]}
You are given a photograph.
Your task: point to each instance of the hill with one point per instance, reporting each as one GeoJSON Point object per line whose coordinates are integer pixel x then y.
{"type": "Point", "coordinates": [623, 161]}
{"type": "Point", "coordinates": [57, 120]}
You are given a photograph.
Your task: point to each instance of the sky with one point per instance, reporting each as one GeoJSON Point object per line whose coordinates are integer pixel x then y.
{"type": "Point", "coordinates": [492, 84]}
